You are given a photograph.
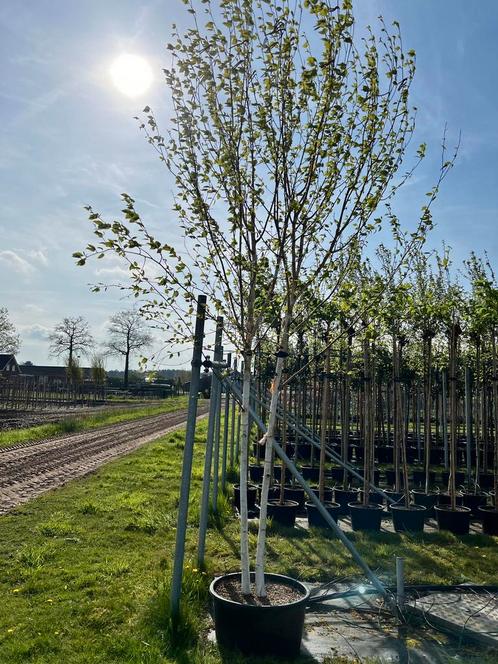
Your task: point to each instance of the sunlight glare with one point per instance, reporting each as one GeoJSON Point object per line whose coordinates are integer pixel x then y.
{"type": "Point", "coordinates": [131, 74]}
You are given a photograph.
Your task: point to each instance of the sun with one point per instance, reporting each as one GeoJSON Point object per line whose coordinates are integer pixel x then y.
{"type": "Point", "coordinates": [131, 74]}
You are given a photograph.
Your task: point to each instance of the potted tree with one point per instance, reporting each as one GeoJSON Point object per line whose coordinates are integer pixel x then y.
{"type": "Point", "coordinates": [267, 200]}
{"type": "Point", "coordinates": [453, 517]}
{"type": "Point", "coordinates": [486, 310]}
{"type": "Point", "coordinates": [315, 519]}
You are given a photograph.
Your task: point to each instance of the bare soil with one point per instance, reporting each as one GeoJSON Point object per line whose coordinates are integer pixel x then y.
{"type": "Point", "coordinates": [277, 593]}
{"type": "Point", "coordinates": [20, 419]}
{"type": "Point", "coordinates": [28, 470]}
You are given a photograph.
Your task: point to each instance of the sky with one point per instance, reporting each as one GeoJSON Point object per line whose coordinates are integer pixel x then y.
{"type": "Point", "coordinates": [68, 139]}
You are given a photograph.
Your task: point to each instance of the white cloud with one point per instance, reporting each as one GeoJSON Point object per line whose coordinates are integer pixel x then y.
{"type": "Point", "coordinates": [38, 255]}
{"type": "Point", "coordinates": [115, 271]}
{"type": "Point", "coordinates": [35, 331]}
{"type": "Point", "coordinates": [12, 260]}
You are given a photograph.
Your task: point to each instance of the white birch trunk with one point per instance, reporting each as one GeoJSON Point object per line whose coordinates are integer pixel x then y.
{"type": "Point", "coordinates": [270, 433]}
{"type": "Point", "coordinates": [244, 453]}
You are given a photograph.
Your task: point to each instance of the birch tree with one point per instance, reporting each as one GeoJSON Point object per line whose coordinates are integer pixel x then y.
{"type": "Point", "coordinates": [283, 147]}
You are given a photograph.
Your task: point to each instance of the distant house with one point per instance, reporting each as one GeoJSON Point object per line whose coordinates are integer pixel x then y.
{"type": "Point", "coordinates": [47, 373]}
{"type": "Point", "coordinates": [8, 365]}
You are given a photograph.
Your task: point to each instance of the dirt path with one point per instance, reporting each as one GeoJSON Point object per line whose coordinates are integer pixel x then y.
{"type": "Point", "coordinates": [28, 470]}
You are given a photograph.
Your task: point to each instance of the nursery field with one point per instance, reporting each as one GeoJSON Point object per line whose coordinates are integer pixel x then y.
{"type": "Point", "coordinates": [84, 570]}
{"type": "Point", "coordinates": [83, 421]}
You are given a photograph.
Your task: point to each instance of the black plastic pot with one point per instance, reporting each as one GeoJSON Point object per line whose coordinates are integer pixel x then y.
{"type": "Point", "coordinates": [444, 499]}
{"type": "Point", "coordinates": [277, 473]}
{"type": "Point", "coordinates": [252, 495]}
{"type": "Point", "coordinates": [456, 521]}
{"type": "Point", "coordinates": [335, 473]}
{"type": "Point", "coordinates": [303, 450]}
{"type": "Point", "coordinates": [316, 520]}
{"type": "Point", "coordinates": [310, 473]}
{"type": "Point", "coordinates": [459, 477]}
{"type": "Point", "coordinates": [272, 631]}
{"type": "Point", "coordinates": [408, 519]}
{"type": "Point", "coordinates": [385, 454]}
{"type": "Point", "coordinates": [373, 497]}
{"type": "Point", "coordinates": [328, 494]}
{"type": "Point", "coordinates": [489, 518]}
{"type": "Point", "coordinates": [397, 496]}
{"type": "Point", "coordinates": [366, 517]}
{"type": "Point", "coordinates": [391, 477]}
{"type": "Point", "coordinates": [295, 493]}
{"type": "Point", "coordinates": [427, 500]}
{"type": "Point", "coordinates": [486, 480]}
{"type": "Point", "coordinates": [284, 514]}
{"type": "Point", "coordinates": [343, 497]}
{"type": "Point", "coordinates": [474, 501]}
{"type": "Point", "coordinates": [256, 472]}
{"type": "Point", "coordinates": [419, 477]}
{"type": "Point", "coordinates": [359, 482]}
{"type": "Point", "coordinates": [436, 456]}
{"type": "Point", "coordinates": [411, 454]}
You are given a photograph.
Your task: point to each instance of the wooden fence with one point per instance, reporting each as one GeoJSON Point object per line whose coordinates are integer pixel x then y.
{"type": "Point", "coordinates": [30, 393]}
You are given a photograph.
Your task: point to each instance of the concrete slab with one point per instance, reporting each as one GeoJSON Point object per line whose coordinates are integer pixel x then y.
{"type": "Point", "coordinates": [466, 615]}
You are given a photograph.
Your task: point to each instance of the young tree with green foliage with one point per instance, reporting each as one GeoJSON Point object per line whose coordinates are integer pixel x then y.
{"type": "Point", "coordinates": [283, 149]}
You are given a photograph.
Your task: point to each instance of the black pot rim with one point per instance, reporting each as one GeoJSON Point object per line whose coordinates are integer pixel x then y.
{"type": "Point", "coordinates": [423, 493]}
{"type": "Point", "coordinates": [410, 508]}
{"type": "Point", "coordinates": [286, 503]}
{"type": "Point", "coordinates": [285, 581]}
{"type": "Point", "coordinates": [326, 503]}
{"type": "Point", "coordinates": [249, 486]}
{"type": "Point", "coordinates": [488, 508]}
{"type": "Point", "coordinates": [447, 508]}
{"type": "Point", "coordinates": [370, 506]}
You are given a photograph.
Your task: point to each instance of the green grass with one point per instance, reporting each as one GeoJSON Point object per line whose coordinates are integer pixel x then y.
{"type": "Point", "coordinates": [75, 424]}
{"type": "Point", "coordinates": [84, 570]}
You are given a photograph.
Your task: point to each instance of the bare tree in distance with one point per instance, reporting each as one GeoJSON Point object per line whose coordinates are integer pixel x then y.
{"type": "Point", "coordinates": [127, 333]}
{"type": "Point", "coordinates": [71, 336]}
{"type": "Point", "coordinates": [9, 338]}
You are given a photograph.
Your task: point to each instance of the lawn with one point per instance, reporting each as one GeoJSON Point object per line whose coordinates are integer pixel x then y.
{"type": "Point", "coordinates": [75, 424]}
{"type": "Point", "coordinates": [84, 570]}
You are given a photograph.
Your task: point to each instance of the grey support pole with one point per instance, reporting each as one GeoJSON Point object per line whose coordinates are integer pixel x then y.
{"type": "Point", "coordinates": [188, 453]}
{"type": "Point", "coordinates": [217, 429]}
{"type": "Point", "coordinates": [203, 520]}
{"type": "Point", "coordinates": [226, 417]}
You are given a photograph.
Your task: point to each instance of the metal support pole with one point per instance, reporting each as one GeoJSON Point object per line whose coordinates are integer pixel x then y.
{"type": "Point", "coordinates": [188, 453]}
{"type": "Point", "coordinates": [217, 428]}
{"type": "Point", "coordinates": [203, 520]}
{"type": "Point", "coordinates": [468, 422]}
{"type": "Point", "coordinates": [226, 417]}
{"type": "Point", "coordinates": [400, 583]}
